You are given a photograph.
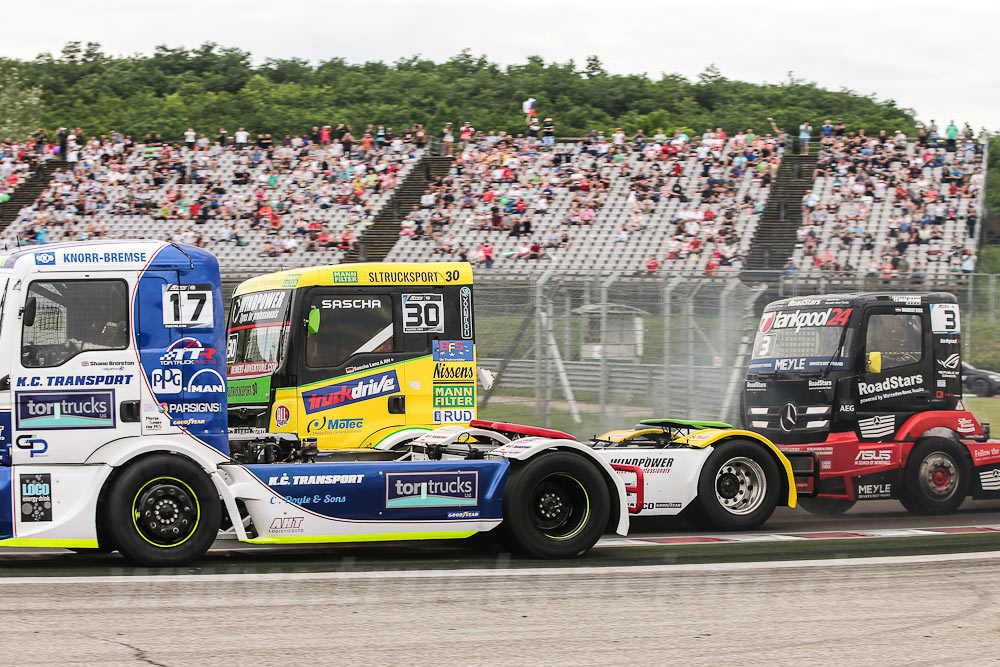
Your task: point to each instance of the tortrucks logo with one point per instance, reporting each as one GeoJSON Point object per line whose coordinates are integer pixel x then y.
{"type": "Point", "coordinates": [352, 391]}
{"type": "Point", "coordinates": [188, 351]}
{"type": "Point", "coordinates": [796, 319]}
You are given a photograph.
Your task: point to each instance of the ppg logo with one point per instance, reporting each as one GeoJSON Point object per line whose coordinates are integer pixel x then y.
{"type": "Point", "coordinates": [45, 258]}
{"type": "Point", "coordinates": [166, 380]}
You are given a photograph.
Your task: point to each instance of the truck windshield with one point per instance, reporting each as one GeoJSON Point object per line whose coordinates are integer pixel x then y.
{"type": "Point", "coordinates": [802, 341]}
{"type": "Point", "coordinates": [257, 337]}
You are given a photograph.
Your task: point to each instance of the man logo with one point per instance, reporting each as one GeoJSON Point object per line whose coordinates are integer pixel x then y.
{"type": "Point", "coordinates": [789, 418]}
{"type": "Point", "coordinates": [206, 381]}
{"type": "Point", "coordinates": [951, 363]}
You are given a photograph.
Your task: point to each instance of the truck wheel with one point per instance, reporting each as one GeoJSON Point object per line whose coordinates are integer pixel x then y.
{"type": "Point", "coordinates": [738, 487]}
{"type": "Point", "coordinates": [163, 510]}
{"type": "Point", "coordinates": [936, 479]}
{"type": "Point", "coordinates": [826, 506]}
{"type": "Point", "coordinates": [555, 505]}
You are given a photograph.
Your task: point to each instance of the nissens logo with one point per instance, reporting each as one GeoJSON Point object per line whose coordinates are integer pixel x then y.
{"type": "Point", "coordinates": [796, 319]}
{"type": "Point", "coordinates": [889, 384]}
{"type": "Point", "coordinates": [352, 391]}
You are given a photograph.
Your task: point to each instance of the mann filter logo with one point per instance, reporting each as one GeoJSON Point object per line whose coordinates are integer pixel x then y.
{"type": "Point", "coordinates": [352, 391]}
{"type": "Point", "coordinates": [65, 409]}
{"type": "Point", "coordinates": [951, 363]}
{"type": "Point", "coordinates": [890, 384]}
{"type": "Point", "coordinates": [454, 396]}
{"type": "Point", "coordinates": [878, 426]}
{"type": "Point", "coordinates": [452, 350]}
{"type": "Point", "coordinates": [446, 371]}
{"type": "Point", "coordinates": [206, 381]}
{"type": "Point", "coordinates": [796, 319]}
{"type": "Point", "coordinates": [345, 277]}
{"type": "Point", "coordinates": [36, 497]}
{"type": "Point", "coordinates": [431, 489]}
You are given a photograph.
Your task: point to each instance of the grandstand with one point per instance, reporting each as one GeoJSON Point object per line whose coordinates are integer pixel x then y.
{"type": "Point", "coordinates": [709, 204]}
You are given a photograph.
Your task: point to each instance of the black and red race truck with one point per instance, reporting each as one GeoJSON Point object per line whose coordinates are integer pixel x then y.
{"type": "Point", "coordinates": [871, 385]}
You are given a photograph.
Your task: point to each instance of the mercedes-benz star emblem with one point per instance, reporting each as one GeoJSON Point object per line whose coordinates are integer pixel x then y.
{"type": "Point", "coordinates": [789, 417]}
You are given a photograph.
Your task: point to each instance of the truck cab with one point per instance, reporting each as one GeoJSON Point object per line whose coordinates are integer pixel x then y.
{"type": "Point", "coordinates": [863, 381]}
{"type": "Point", "coordinates": [350, 356]}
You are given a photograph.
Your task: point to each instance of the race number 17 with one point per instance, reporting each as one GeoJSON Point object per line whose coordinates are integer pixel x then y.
{"type": "Point", "coordinates": [188, 306]}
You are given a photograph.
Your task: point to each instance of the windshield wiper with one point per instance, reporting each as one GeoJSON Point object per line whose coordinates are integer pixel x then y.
{"type": "Point", "coordinates": [836, 351]}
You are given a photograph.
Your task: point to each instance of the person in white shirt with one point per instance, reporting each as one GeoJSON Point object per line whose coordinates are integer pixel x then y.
{"type": "Point", "coordinates": [189, 137]}
{"type": "Point", "coordinates": [242, 136]}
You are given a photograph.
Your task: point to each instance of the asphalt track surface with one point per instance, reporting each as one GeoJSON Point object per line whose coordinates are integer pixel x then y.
{"type": "Point", "coordinates": [463, 603]}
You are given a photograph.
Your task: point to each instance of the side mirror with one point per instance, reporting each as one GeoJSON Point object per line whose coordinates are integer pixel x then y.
{"type": "Point", "coordinates": [30, 308]}
{"type": "Point", "coordinates": [874, 362]}
{"type": "Point", "coordinates": [313, 321]}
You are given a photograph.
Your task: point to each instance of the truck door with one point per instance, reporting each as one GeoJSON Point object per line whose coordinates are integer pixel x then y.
{"type": "Point", "coordinates": [895, 375]}
{"type": "Point", "coordinates": [76, 381]}
{"type": "Point", "coordinates": [352, 382]}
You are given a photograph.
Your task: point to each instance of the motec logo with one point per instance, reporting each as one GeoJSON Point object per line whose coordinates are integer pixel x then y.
{"type": "Point", "coordinates": [353, 391]}
{"type": "Point", "coordinates": [796, 319]}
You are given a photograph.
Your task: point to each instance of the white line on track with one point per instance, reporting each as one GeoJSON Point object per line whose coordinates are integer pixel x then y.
{"type": "Point", "coordinates": [513, 572]}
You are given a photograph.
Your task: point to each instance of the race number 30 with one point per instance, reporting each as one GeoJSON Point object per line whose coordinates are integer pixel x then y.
{"type": "Point", "coordinates": [188, 306]}
{"type": "Point", "coordinates": [423, 313]}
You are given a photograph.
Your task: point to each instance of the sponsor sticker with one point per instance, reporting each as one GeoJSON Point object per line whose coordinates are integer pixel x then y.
{"type": "Point", "coordinates": [286, 525]}
{"type": "Point", "coordinates": [188, 306]}
{"type": "Point", "coordinates": [423, 313]}
{"type": "Point", "coordinates": [325, 425]}
{"type": "Point", "coordinates": [252, 368]}
{"type": "Point", "coordinates": [448, 371]}
{"type": "Point", "coordinates": [891, 387]}
{"type": "Point", "coordinates": [206, 381]}
{"type": "Point", "coordinates": [284, 479]}
{"type": "Point", "coordinates": [873, 457]}
{"type": "Point", "coordinates": [797, 319]}
{"type": "Point", "coordinates": [74, 381]}
{"type": "Point", "coordinates": [453, 416]}
{"type": "Point", "coordinates": [65, 409]}
{"type": "Point", "coordinates": [282, 415]}
{"type": "Point", "coordinates": [465, 308]}
{"type": "Point", "coordinates": [166, 380]}
{"type": "Point", "coordinates": [36, 497]}
{"type": "Point", "coordinates": [352, 391]}
{"type": "Point", "coordinates": [945, 318]}
{"type": "Point", "coordinates": [187, 351]}
{"type": "Point", "coordinates": [452, 350]}
{"type": "Point", "coordinates": [345, 277]}
{"type": "Point", "coordinates": [454, 396]}
{"type": "Point", "coordinates": [45, 258]}
{"type": "Point", "coordinates": [259, 307]}
{"type": "Point", "coordinates": [35, 446]}
{"type": "Point", "coordinates": [431, 489]}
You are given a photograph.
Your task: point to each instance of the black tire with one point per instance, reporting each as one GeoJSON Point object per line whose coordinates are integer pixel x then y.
{"type": "Point", "coordinates": [937, 477]}
{"type": "Point", "coordinates": [163, 510]}
{"type": "Point", "coordinates": [555, 505]}
{"type": "Point", "coordinates": [826, 506]}
{"type": "Point", "coordinates": [980, 387]}
{"type": "Point", "coordinates": [738, 487]}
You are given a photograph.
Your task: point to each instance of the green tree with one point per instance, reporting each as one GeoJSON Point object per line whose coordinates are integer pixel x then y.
{"type": "Point", "coordinates": [20, 105]}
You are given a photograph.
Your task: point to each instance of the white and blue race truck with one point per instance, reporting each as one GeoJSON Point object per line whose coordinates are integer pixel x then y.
{"type": "Point", "coordinates": [114, 436]}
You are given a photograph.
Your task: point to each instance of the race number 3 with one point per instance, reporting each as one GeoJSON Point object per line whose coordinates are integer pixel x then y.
{"type": "Point", "coordinates": [944, 318]}
{"type": "Point", "coordinates": [188, 306]}
{"type": "Point", "coordinates": [423, 313]}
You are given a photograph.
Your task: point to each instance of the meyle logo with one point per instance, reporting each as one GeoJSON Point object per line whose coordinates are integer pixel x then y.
{"type": "Point", "coordinates": [431, 489]}
{"type": "Point", "coordinates": [206, 381]}
{"type": "Point", "coordinates": [951, 363]}
{"type": "Point", "coordinates": [895, 382]}
{"type": "Point", "coordinates": [188, 351]}
{"type": "Point", "coordinates": [873, 457]}
{"type": "Point", "coordinates": [352, 391]}
{"type": "Point", "coordinates": [874, 490]}
{"type": "Point", "coordinates": [45, 258]}
{"type": "Point", "coordinates": [796, 319]}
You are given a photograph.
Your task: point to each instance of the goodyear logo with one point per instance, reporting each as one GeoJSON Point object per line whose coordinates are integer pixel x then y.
{"type": "Point", "coordinates": [452, 350]}
{"type": "Point", "coordinates": [454, 396]}
{"type": "Point", "coordinates": [345, 277]}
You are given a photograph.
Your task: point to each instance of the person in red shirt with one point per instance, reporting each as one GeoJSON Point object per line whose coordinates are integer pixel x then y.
{"type": "Point", "coordinates": [535, 251]}
{"type": "Point", "coordinates": [652, 266]}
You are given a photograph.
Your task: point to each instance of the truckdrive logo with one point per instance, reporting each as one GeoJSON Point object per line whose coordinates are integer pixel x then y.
{"type": "Point", "coordinates": [65, 409]}
{"type": "Point", "coordinates": [951, 363]}
{"type": "Point", "coordinates": [796, 319]}
{"type": "Point", "coordinates": [206, 381]}
{"type": "Point", "coordinates": [431, 489]}
{"type": "Point", "coordinates": [187, 351]}
{"type": "Point", "coordinates": [352, 391]}
{"type": "Point", "coordinates": [878, 426]}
